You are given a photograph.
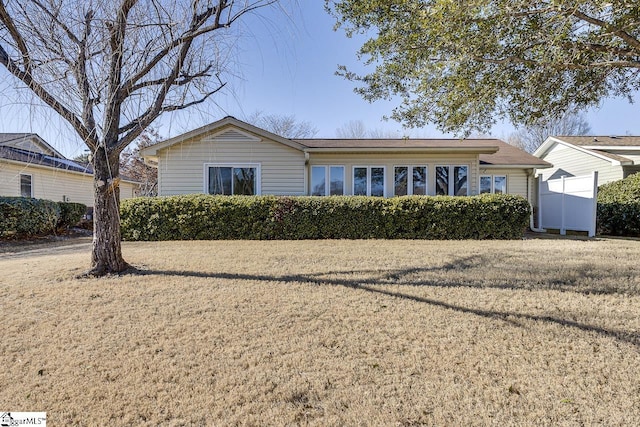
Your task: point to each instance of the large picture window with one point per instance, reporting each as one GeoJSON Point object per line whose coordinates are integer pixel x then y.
{"type": "Point", "coordinates": [452, 180]}
{"type": "Point", "coordinates": [327, 180]}
{"type": "Point", "coordinates": [493, 184]}
{"type": "Point", "coordinates": [232, 179]}
{"type": "Point", "coordinates": [409, 180]}
{"type": "Point", "coordinates": [368, 181]}
{"type": "Point", "coordinates": [26, 188]}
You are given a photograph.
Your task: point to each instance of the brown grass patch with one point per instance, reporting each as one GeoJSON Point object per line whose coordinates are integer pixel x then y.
{"type": "Point", "coordinates": [532, 332]}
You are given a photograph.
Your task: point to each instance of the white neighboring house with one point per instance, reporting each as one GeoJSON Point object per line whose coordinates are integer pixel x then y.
{"type": "Point", "coordinates": [613, 157]}
{"type": "Point", "coordinates": [30, 167]}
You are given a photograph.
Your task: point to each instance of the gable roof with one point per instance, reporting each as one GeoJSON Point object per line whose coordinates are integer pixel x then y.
{"type": "Point", "coordinates": [597, 146]}
{"type": "Point", "coordinates": [16, 140]}
{"type": "Point", "coordinates": [216, 128]}
{"type": "Point", "coordinates": [492, 151]}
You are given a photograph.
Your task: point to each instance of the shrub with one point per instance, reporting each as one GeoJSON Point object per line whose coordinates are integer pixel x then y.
{"type": "Point", "coordinates": [70, 214]}
{"type": "Point", "coordinates": [619, 207]}
{"type": "Point", "coordinates": [23, 216]}
{"type": "Point", "coordinates": [204, 217]}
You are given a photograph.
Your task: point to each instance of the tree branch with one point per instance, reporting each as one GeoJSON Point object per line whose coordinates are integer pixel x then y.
{"type": "Point", "coordinates": [26, 77]}
{"type": "Point", "coordinates": [16, 36]}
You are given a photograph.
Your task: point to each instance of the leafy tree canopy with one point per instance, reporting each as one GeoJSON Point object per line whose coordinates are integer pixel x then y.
{"type": "Point", "coordinates": [465, 64]}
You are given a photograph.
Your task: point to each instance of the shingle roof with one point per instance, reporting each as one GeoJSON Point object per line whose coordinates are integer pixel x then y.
{"type": "Point", "coordinates": [506, 155]}
{"type": "Point", "coordinates": [11, 153]}
{"type": "Point", "coordinates": [6, 137]}
{"type": "Point", "coordinates": [609, 141]}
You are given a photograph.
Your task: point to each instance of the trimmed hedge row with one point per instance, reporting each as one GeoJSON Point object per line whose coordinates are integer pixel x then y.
{"type": "Point", "coordinates": [619, 207]}
{"type": "Point", "coordinates": [23, 216]}
{"type": "Point", "coordinates": [205, 217]}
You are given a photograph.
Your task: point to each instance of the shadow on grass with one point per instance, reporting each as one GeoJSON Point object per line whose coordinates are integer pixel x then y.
{"type": "Point", "coordinates": [387, 277]}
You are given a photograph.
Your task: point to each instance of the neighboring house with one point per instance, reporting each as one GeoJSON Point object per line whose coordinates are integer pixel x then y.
{"type": "Point", "coordinates": [30, 167]}
{"type": "Point", "coordinates": [613, 157]}
{"type": "Point", "coordinates": [234, 157]}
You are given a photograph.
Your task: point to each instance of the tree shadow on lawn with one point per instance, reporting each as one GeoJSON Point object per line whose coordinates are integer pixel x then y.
{"type": "Point", "coordinates": [387, 277]}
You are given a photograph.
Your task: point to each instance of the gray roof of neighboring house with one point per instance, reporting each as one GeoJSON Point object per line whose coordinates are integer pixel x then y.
{"type": "Point", "coordinates": [6, 137]}
{"type": "Point", "coordinates": [609, 141]}
{"type": "Point", "coordinates": [11, 153]}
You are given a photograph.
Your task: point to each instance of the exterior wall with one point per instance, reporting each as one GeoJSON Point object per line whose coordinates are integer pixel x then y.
{"type": "Point", "coordinates": [517, 180]}
{"type": "Point", "coordinates": [181, 167]}
{"type": "Point", "coordinates": [389, 160]}
{"type": "Point", "coordinates": [53, 184]}
{"type": "Point", "coordinates": [570, 161]}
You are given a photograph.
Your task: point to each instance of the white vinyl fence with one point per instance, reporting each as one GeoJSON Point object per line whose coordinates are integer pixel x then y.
{"type": "Point", "coordinates": [568, 203]}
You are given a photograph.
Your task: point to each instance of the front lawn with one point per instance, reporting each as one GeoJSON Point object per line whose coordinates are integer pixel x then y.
{"type": "Point", "coordinates": [526, 332]}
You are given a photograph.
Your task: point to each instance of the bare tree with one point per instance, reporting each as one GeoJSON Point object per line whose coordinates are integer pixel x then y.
{"type": "Point", "coordinates": [356, 129]}
{"type": "Point", "coordinates": [110, 68]}
{"type": "Point", "coordinates": [530, 138]}
{"type": "Point", "coordinates": [287, 126]}
{"type": "Point", "coordinates": [132, 164]}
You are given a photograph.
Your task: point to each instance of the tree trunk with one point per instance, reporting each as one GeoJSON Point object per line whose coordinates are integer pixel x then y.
{"type": "Point", "coordinates": [106, 256]}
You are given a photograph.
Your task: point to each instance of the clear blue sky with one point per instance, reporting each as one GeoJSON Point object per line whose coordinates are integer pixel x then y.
{"type": "Point", "coordinates": [286, 66]}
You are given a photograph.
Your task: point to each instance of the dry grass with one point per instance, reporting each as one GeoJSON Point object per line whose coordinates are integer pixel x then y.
{"type": "Point", "coordinates": [532, 332]}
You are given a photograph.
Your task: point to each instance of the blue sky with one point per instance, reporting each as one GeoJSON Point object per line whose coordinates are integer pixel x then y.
{"type": "Point", "coordinates": [286, 65]}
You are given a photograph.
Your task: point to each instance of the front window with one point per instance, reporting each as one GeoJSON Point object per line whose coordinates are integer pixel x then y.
{"type": "Point", "coordinates": [323, 175]}
{"type": "Point", "coordinates": [452, 180]}
{"type": "Point", "coordinates": [233, 180]}
{"type": "Point", "coordinates": [368, 181]}
{"type": "Point", "coordinates": [410, 180]}
{"type": "Point", "coordinates": [26, 189]}
{"type": "Point", "coordinates": [493, 184]}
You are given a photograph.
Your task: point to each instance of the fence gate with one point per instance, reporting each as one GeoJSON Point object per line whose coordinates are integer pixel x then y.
{"type": "Point", "coordinates": [568, 203]}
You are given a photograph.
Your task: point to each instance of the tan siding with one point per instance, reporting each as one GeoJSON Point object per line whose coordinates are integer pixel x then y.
{"type": "Point", "coordinates": [53, 184]}
{"type": "Point", "coordinates": [389, 160]}
{"type": "Point", "coordinates": [577, 163]}
{"type": "Point", "coordinates": [182, 166]}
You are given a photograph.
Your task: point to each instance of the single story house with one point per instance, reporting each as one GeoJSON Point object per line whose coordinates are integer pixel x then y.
{"type": "Point", "coordinates": [30, 167]}
{"type": "Point", "coordinates": [230, 156]}
{"type": "Point", "coordinates": [613, 157]}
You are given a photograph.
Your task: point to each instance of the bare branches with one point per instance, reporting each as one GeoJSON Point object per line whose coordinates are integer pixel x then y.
{"type": "Point", "coordinates": [15, 34]}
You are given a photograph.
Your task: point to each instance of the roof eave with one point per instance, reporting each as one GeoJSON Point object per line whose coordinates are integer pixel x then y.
{"type": "Point", "coordinates": [445, 150]}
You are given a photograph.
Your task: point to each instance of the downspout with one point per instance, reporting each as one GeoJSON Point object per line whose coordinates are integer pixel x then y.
{"type": "Point", "coordinates": [530, 176]}
{"type": "Point", "coordinates": [306, 172]}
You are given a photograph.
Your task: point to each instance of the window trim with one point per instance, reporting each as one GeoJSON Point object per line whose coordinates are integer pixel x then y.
{"type": "Point", "coordinates": [451, 183]}
{"type": "Point", "coordinates": [327, 179]}
{"type": "Point", "coordinates": [257, 166]}
{"type": "Point", "coordinates": [384, 179]}
{"type": "Point", "coordinates": [410, 178]}
{"type": "Point", "coordinates": [30, 184]}
{"type": "Point", "coordinates": [493, 183]}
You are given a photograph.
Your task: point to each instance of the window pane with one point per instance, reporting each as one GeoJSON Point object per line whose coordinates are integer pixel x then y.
{"type": "Point", "coordinates": [219, 180]}
{"type": "Point", "coordinates": [442, 180]}
{"type": "Point", "coordinates": [25, 186]}
{"type": "Point", "coordinates": [460, 180]}
{"type": "Point", "coordinates": [318, 181]}
{"type": "Point", "coordinates": [500, 184]}
{"type": "Point", "coordinates": [244, 181]}
{"type": "Point", "coordinates": [377, 181]}
{"type": "Point", "coordinates": [485, 184]}
{"type": "Point", "coordinates": [359, 181]}
{"type": "Point", "coordinates": [420, 180]}
{"type": "Point", "coordinates": [400, 180]}
{"type": "Point", "coordinates": [336, 178]}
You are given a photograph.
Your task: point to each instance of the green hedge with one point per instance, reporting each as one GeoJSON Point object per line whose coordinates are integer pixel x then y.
{"type": "Point", "coordinates": [204, 217]}
{"type": "Point", "coordinates": [70, 214]}
{"type": "Point", "coordinates": [619, 207]}
{"type": "Point", "coordinates": [23, 216]}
